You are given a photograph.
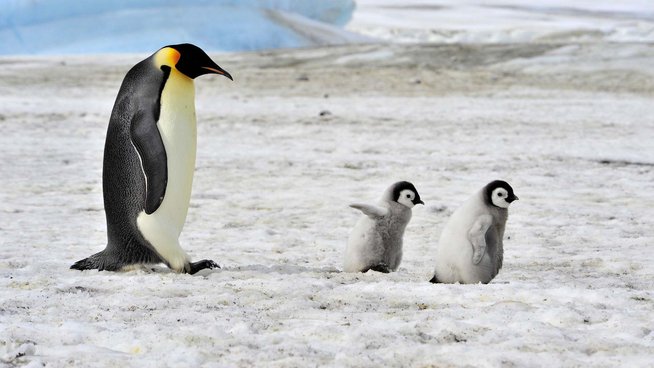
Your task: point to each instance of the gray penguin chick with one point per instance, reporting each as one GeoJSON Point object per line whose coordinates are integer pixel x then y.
{"type": "Point", "coordinates": [470, 249]}
{"type": "Point", "coordinates": [376, 240]}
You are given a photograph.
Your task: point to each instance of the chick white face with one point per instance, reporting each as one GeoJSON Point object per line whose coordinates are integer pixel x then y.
{"type": "Point", "coordinates": [406, 198]}
{"type": "Point", "coordinates": [403, 193]}
{"type": "Point", "coordinates": [500, 198]}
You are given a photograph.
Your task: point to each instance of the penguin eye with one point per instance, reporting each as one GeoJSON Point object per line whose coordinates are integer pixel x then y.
{"type": "Point", "coordinates": [500, 195]}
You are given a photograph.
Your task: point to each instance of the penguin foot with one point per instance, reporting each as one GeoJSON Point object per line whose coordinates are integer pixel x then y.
{"type": "Point", "coordinates": [382, 267]}
{"type": "Point", "coordinates": [201, 265]}
{"type": "Point", "coordinates": [435, 280]}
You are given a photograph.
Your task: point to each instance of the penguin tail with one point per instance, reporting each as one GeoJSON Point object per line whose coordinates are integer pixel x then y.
{"type": "Point", "coordinates": [434, 280]}
{"type": "Point", "coordinates": [84, 264]}
{"type": "Point", "coordinates": [90, 263]}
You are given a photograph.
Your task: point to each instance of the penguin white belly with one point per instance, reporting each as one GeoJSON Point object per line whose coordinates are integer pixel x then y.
{"type": "Point", "coordinates": [177, 127]}
{"type": "Point", "coordinates": [454, 252]}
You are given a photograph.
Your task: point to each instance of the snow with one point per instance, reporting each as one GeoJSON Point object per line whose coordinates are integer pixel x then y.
{"type": "Point", "coordinates": [74, 27]}
{"type": "Point", "coordinates": [568, 124]}
{"type": "Point", "coordinates": [502, 21]}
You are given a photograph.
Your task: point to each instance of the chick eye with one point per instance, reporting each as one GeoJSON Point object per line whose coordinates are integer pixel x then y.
{"type": "Point", "coordinates": [500, 195]}
{"type": "Point", "coordinates": [408, 195]}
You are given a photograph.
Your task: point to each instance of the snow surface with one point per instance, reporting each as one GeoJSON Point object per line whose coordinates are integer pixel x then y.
{"type": "Point", "coordinates": [285, 148]}
{"type": "Point", "coordinates": [82, 27]}
{"type": "Point", "coordinates": [270, 204]}
{"type": "Point", "coordinates": [501, 21]}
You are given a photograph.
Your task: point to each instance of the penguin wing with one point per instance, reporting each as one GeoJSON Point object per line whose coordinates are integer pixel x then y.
{"type": "Point", "coordinates": [374, 212]}
{"type": "Point", "coordinates": [150, 148]}
{"type": "Point", "coordinates": [477, 237]}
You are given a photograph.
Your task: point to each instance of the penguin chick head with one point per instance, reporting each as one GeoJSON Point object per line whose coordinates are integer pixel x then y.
{"type": "Point", "coordinates": [406, 193]}
{"type": "Point", "coordinates": [189, 60]}
{"type": "Point", "coordinates": [499, 193]}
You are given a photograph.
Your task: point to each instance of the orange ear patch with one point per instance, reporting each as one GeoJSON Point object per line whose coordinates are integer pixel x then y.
{"type": "Point", "coordinates": [167, 56]}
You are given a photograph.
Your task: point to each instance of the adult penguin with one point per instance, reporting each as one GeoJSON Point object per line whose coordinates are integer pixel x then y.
{"type": "Point", "coordinates": [149, 160]}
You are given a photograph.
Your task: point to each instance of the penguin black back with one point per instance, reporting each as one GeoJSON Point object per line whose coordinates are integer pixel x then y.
{"type": "Point", "coordinates": [137, 103]}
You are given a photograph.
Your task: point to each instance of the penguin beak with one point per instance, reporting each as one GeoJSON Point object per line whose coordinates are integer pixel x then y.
{"type": "Point", "coordinates": [419, 201]}
{"type": "Point", "coordinates": [512, 198]}
{"type": "Point", "coordinates": [215, 69]}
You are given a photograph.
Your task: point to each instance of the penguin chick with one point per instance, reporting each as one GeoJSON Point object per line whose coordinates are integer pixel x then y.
{"type": "Point", "coordinates": [470, 249]}
{"type": "Point", "coordinates": [149, 160]}
{"type": "Point", "coordinates": [376, 240]}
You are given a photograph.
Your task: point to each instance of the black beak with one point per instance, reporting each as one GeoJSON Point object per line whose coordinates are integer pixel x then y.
{"type": "Point", "coordinates": [512, 198]}
{"type": "Point", "coordinates": [418, 201]}
{"type": "Point", "coordinates": [215, 69]}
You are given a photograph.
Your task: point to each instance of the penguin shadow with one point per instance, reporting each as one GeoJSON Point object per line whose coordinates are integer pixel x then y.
{"type": "Point", "coordinates": [162, 269]}
{"type": "Point", "coordinates": [278, 269]}
{"type": "Point", "coordinates": [281, 269]}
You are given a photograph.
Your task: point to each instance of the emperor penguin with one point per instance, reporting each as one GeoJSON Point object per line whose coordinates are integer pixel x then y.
{"type": "Point", "coordinates": [376, 240]}
{"type": "Point", "coordinates": [149, 161]}
{"type": "Point", "coordinates": [470, 249]}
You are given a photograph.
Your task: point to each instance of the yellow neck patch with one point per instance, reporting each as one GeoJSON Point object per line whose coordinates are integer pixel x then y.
{"type": "Point", "coordinates": [167, 56]}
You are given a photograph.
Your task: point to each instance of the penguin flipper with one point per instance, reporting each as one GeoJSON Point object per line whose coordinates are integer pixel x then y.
{"type": "Point", "coordinates": [150, 148]}
{"type": "Point", "coordinates": [435, 280]}
{"type": "Point", "coordinates": [477, 237]}
{"type": "Point", "coordinates": [374, 212]}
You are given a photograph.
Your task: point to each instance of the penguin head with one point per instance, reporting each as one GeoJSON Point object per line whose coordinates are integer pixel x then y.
{"type": "Point", "coordinates": [189, 60]}
{"type": "Point", "coordinates": [499, 193]}
{"type": "Point", "coordinates": [406, 194]}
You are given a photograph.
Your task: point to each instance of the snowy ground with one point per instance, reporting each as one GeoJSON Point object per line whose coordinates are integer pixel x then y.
{"type": "Point", "coordinates": [570, 126]}
{"type": "Point", "coordinates": [505, 21]}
